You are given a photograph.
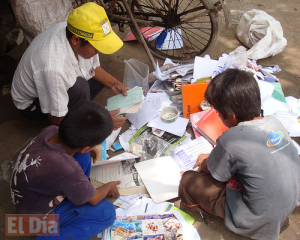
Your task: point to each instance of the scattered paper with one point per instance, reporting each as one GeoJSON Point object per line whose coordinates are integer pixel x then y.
{"type": "Point", "coordinates": [266, 89]}
{"type": "Point", "coordinates": [204, 67]}
{"type": "Point", "coordinates": [271, 106]}
{"type": "Point", "coordinates": [158, 100]}
{"type": "Point", "coordinates": [294, 104]}
{"type": "Point", "coordinates": [118, 158]}
{"type": "Point", "coordinates": [145, 114]}
{"type": "Point", "coordinates": [180, 69]}
{"type": "Point", "coordinates": [127, 201]}
{"type": "Point", "coordinates": [178, 127]}
{"type": "Point", "coordinates": [112, 137]}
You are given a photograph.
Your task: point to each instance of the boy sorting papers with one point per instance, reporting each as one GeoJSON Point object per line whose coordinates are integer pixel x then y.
{"type": "Point", "coordinates": [251, 178]}
{"type": "Point", "coordinates": [55, 166]}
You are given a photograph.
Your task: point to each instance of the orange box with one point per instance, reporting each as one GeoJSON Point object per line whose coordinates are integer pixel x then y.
{"type": "Point", "coordinates": [192, 96]}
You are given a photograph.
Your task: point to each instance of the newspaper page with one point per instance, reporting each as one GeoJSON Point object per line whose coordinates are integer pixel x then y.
{"type": "Point", "coordinates": [147, 227]}
{"type": "Point", "coordinates": [123, 170]}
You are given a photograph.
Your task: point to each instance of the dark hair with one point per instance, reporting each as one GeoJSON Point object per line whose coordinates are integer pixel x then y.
{"type": "Point", "coordinates": [235, 92]}
{"type": "Point", "coordinates": [69, 35]}
{"type": "Point", "coordinates": [86, 124]}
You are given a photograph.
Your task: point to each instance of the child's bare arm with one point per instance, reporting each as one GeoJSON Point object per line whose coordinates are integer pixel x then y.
{"type": "Point", "coordinates": [200, 159]}
{"type": "Point", "coordinates": [203, 167]}
{"type": "Point", "coordinates": [108, 189]}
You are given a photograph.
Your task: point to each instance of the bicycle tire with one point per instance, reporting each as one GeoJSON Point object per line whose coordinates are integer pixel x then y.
{"type": "Point", "coordinates": [188, 43]}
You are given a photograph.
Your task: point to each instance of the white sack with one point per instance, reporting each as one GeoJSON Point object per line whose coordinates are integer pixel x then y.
{"type": "Point", "coordinates": [35, 16]}
{"type": "Point", "coordinates": [261, 33]}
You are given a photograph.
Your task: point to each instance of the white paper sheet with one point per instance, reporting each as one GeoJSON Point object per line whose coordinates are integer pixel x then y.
{"type": "Point", "coordinates": [143, 116]}
{"type": "Point", "coordinates": [126, 136]}
{"type": "Point", "coordinates": [112, 137]}
{"type": "Point", "coordinates": [161, 177]}
{"type": "Point", "coordinates": [118, 158]}
{"type": "Point", "coordinates": [294, 130]}
{"type": "Point", "coordinates": [266, 89]}
{"type": "Point", "coordinates": [115, 171]}
{"type": "Point", "coordinates": [158, 100]}
{"type": "Point", "coordinates": [294, 104]}
{"type": "Point", "coordinates": [178, 127]}
{"type": "Point", "coordinates": [180, 69]}
{"type": "Point", "coordinates": [271, 106]}
{"type": "Point", "coordinates": [126, 201]}
{"type": "Point", "coordinates": [187, 154]}
{"type": "Point", "coordinates": [204, 67]}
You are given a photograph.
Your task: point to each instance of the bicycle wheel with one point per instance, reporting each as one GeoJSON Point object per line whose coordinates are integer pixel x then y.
{"type": "Point", "coordinates": [185, 28]}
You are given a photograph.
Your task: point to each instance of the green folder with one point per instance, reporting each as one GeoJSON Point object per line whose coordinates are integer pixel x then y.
{"type": "Point", "coordinates": [190, 220]}
{"type": "Point", "coordinates": [278, 93]}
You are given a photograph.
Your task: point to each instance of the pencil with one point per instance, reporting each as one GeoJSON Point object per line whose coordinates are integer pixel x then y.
{"type": "Point", "coordinates": [204, 218]}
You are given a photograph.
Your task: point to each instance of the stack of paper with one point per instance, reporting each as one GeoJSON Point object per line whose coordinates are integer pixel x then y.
{"type": "Point", "coordinates": [127, 104]}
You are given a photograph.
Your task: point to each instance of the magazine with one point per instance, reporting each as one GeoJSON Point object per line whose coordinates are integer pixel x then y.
{"type": "Point", "coordinates": [147, 227]}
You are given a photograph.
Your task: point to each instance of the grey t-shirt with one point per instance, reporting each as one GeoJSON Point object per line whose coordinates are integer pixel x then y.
{"type": "Point", "coordinates": [262, 166]}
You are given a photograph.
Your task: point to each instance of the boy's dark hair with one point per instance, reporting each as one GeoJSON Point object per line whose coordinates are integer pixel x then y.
{"type": "Point", "coordinates": [235, 92]}
{"type": "Point", "coordinates": [86, 124]}
{"type": "Point", "coordinates": [69, 35]}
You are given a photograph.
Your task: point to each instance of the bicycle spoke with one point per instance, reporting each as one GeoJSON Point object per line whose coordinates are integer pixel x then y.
{"type": "Point", "coordinates": [187, 23]}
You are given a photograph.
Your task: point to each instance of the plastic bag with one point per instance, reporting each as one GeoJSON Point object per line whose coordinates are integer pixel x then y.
{"type": "Point", "coordinates": [136, 74]}
{"type": "Point", "coordinates": [237, 58]}
{"type": "Point", "coordinates": [261, 33]}
{"type": "Point", "coordinates": [151, 145]}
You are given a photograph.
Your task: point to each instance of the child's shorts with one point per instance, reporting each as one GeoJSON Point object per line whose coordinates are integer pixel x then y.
{"type": "Point", "coordinates": [200, 191]}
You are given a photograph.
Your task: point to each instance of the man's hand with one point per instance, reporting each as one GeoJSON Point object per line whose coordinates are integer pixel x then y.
{"type": "Point", "coordinates": [200, 159]}
{"type": "Point", "coordinates": [114, 192]}
{"type": "Point", "coordinates": [94, 153]}
{"type": "Point", "coordinates": [120, 87]}
{"type": "Point", "coordinates": [118, 121]}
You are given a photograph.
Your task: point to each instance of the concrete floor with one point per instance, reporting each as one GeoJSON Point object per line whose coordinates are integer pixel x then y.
{"type": "Point", "coordinates": [15, 130]}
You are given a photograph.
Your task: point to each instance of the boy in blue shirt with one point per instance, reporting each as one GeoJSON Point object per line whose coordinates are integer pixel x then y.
{"type": "Point", "coordinates": [51, 175]}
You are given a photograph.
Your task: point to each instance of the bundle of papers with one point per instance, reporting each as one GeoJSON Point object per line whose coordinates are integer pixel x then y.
{"type": "Point", "coordinates": [127, 104]}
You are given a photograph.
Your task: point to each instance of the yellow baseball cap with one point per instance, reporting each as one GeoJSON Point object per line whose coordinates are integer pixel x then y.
{"type": "Point", "coordinates": [91, 23]}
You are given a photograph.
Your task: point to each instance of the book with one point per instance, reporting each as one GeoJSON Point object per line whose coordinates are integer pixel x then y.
{"type": "Point", "coordinates": [195, 117]}
{"type": "Point", "coordinates": [192, 96]}
{"type": "Point", "coordinates": [211, 126]}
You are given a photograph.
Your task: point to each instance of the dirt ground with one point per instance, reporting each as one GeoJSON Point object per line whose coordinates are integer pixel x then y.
{"type": "Point", "coordinates": [15, 130]}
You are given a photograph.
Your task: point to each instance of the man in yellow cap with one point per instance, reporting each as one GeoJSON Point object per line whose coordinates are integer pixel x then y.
{"type": "Point", "coordinates": [61, 66]}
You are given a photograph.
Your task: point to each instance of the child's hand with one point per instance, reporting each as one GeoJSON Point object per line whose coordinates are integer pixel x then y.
{"type": "Point", "coordinates": [94, 153]}
{"type": "Point", "coordinates": [114, 192]}
{"type": "Point", "coordinates": [118, 120]}
{"type": "Point", "coordinates": [200, 159]}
